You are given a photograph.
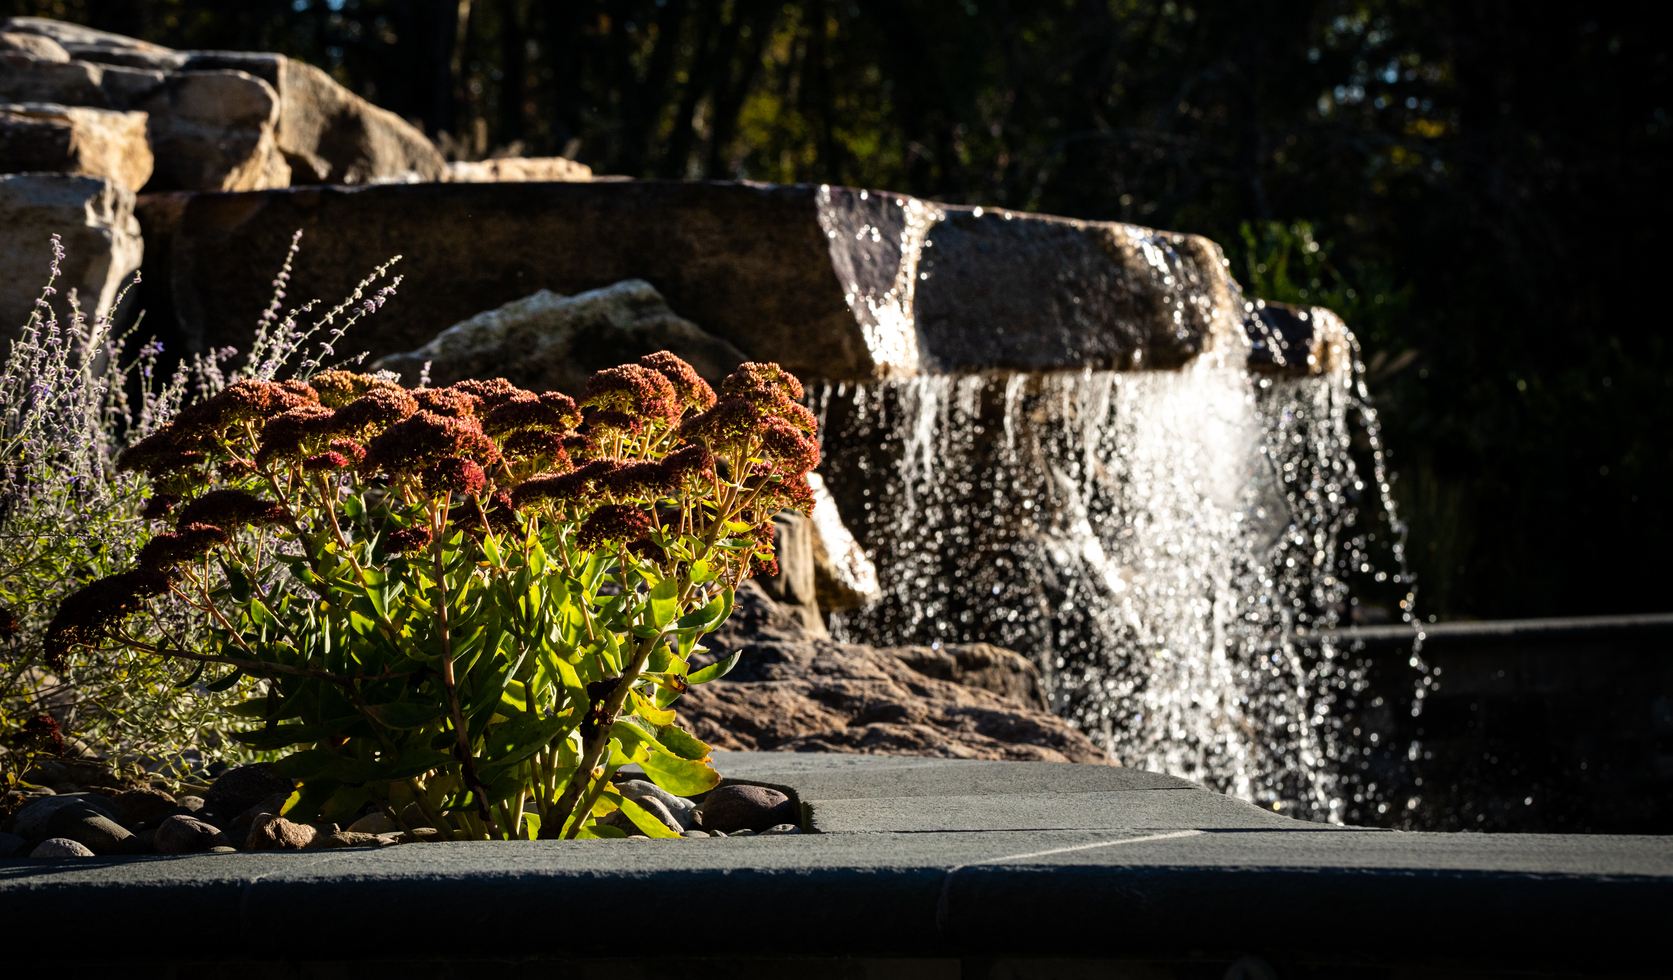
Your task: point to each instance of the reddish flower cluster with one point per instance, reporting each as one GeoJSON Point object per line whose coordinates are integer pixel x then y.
{"type": "Point", "coordinates": [454, 475]}
{"type": "Point", "coordinates": [552, 412]}
{"type": "Point", "coordinates": [191, 542]}
{"type": "Point", "coordinates": [9, 626]}
{"type": "Point", "coordinates": [446, 401]}
{"type": "Point", "coordinates": [691, 389]}
{"type": "Point", "coordinates": [579, 484]}
{"type": "Point", "coordinates": [284, 435]}
{"type": "Point", "coordinates": [501, 513]}
{"type": "Point", "coordinates": [491, 393]}
{"type": "Point", "coordinates": [690, 466]}
{"type": "Point", "coordinates": [86, 614]}
{"type": "Point", "coordinates": [407, 540]}
{"type": "Point", "coordinates": [245, 400]}
{"type": "Point", "coordinates": [377, 408]}
{"type": "Point", "coordinates": [41, 733]}
{"type": "Point", "coordinates": [532, 444]}
{"type": "Point", "coordinates": [228, 508]}
{"type": "Point", "coordinates": [416, 442]}
{"type": "Point", "coordinates": [631, 398]}
{"type": "Point", "coordinates": [613, 522]}
{"type": "Point", "coordinates": [325, 462]}
{"type": "Point", "coordinates": [642, 479]}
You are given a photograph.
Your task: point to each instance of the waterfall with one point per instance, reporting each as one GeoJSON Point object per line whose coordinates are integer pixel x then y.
{"type": "Point", "coordinates": [1156, 541]}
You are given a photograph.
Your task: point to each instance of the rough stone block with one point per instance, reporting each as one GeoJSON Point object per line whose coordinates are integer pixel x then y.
{"type": "Point", "coordinates": [822, 280]}
{"type": "Point", "coordinates": [548, 342]}
{"type": "Point", "coordinates": [216, 130]}
{"type": "Point", "coordinates": [101, 239]}
{"type": "Point", "coordinates": [46, 137]}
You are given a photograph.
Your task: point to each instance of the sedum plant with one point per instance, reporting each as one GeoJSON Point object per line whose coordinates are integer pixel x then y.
{"type": "Point", "coordinates": [476, 599]}
{"type": "Point", "coordinates": [69, 402]}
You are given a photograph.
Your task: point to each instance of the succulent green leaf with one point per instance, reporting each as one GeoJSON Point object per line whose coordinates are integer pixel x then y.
{"type": "Point", "coordinates": [682, 777]}
{"type": "Point", "coordinates": [404, 714]}
{"type": "Point", "coordinates": [682, 743]}
{"type": "Point", "coordinates": [716, 670]}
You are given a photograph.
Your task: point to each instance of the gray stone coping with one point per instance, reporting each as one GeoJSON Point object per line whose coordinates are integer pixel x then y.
{"type": "Point", "coordinates": [1076, 862]}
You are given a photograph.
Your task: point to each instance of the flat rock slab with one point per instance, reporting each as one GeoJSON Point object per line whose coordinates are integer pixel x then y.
{"type": "Point", "coordinates": [859, 777]}
{"type": "Point", "coordinates": [1294, 892]}
{"type": "Point", "coordinates": [1168, 809]}
{"type": "Point", "coordinates": [826, 281]}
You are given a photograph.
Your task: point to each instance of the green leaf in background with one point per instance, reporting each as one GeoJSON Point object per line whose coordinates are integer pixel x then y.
{"type": "Point", "coordinates": [226, 682]}
{"type": "Point", "coordinates": [402, 714]}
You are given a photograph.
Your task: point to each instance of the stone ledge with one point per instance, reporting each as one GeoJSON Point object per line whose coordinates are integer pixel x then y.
{"type": "Point", "coordinates": [1288, 891]}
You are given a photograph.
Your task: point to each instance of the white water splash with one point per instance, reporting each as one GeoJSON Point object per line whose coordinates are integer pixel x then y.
{"type": "Point", "coordinates": [1154, 541]}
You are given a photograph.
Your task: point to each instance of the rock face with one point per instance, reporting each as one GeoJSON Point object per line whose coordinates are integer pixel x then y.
{"type": "Point", "coordinates": [980, 665]}
{"type": "Point", "coordinates": [822, 280]}
{"type": "Point", "coordinates": [548, 342]}
{"type": "Point", "coordinates": [791, 692]}
{"type": "Point", "coordinates": [843, 577]}
{"type": "Point", "coordinates": [1295, 342]}
{"type": "Point", "coordinates": [220, 120]}
{"type": "Point", "coordinates": [517, 169]}
{"type": "Point", "coordinates": [95, 218]}
{"type": "Point", "coordinates": [43, 136]}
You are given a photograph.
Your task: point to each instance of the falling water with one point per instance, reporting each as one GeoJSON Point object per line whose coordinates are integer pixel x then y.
{"type": "Point", "coordinates": [1163, 544]}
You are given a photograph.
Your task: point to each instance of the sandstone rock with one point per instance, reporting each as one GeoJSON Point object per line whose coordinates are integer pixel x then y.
{"type": "Point", "coordinates": [350, 838]}
{"type": "Point", "coordinates": [242, 787]}
{"type": "Point", "coordinates": [735, 808]}
{"type": "Point", "coordinates": [136, 806]}
{"type": "Point", "coordinates": [373, 823]}
{"type": "Point", "coordinates": [796, 275]}
{"type": "Point", "coordinates": [549, 342]}
{"type": "Point", "coordinates": [92, 827]}
{"type": "Point", "coordinates": [60, 847]}
{"type": "Point", "coordinates": [215, 131]}
{"type": "Point", "coordinates": [95, 218]}
{"type": "Point", "coordinates": [42, 136]}
{"type": "Point", "coordinates": [77, 38]}
{"type": "Point", "coordinates": [1295, 342]}
{"type": "Point", "coordinates": [186, 835]}
{"type": "Point", "coordinates": [25, 78]}
{"type": "Point", "coordinates": [33, 45]}
{"type": "Point", "coordinates": [791, 692]}
{"type": "Point", "coordinates": [517, 169]}
{"type": "Point", "coordinates": [327, 133]}
{"type": "Point", "coordinates": [843, 577]}
{"type": "Point", "coordinates": [793, 586]}
{"type": "Point", "coordinates": [275, 833]}
{"type": "Point", "coordinates": [989, 668]}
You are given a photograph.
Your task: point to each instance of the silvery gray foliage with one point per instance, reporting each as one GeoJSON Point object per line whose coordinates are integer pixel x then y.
{"type": "Point", "coordinates": [69, 403]}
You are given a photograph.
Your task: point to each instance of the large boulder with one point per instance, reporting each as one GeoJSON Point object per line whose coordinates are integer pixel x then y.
{"type": "Point", "coordinates": [793, 692]}
{"type": "Point", "coordinates": [321, 132]}
{"type": "Point", "coordinates": [1297, 342]}
{"type": "Point", "coordinates": [94, 217]}
{"type": "Point", "coordinates": [46, 137]}
{"type": "Point", "coordinates": [826, 281]}
{"type": "Point", "coordinates": [548, 342]}
{"type": "Point", "coordinates": [328, 134]}
{"type": "Point", "coordinates": [212, 130]}
{"type": "Point", "coordinates": [215, 130]}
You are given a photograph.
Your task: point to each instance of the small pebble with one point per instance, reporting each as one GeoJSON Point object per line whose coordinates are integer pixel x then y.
{"type": "Point", "coordinates": [223, 849]}
{"type": "Point", "coordinates": [60, 847]}
{"type": "Point", "coordinates": [783, 828]}
{"type": "Point", "coordinates": [694, 833]}
{"type": "Point", "coordinates": [740, 833]}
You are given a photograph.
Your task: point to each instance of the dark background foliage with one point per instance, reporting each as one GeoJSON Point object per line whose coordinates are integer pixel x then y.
{"type": "Point", "coordinates": [1476, 185]}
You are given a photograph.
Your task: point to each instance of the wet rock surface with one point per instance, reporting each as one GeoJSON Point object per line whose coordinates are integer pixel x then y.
{"type": "Point", "coordinates": [792, 692]}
